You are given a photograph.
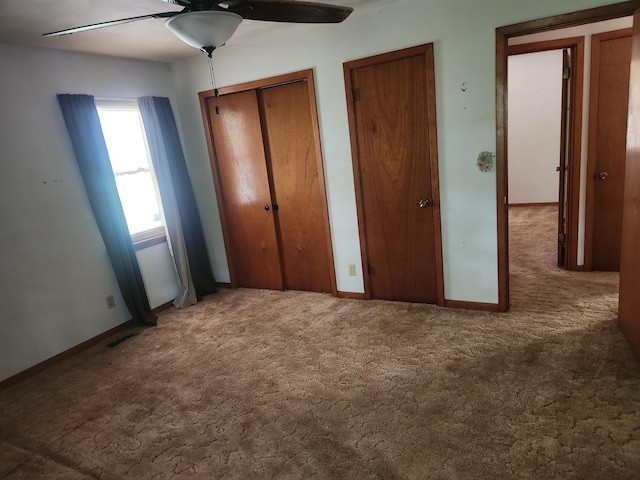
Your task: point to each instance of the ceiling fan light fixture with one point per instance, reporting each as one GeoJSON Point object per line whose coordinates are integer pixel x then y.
{"type": "Point", "coordinates": [204, 29]}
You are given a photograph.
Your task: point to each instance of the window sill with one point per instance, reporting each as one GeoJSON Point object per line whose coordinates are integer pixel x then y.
{"type": "Point", "coordinates": [149, 242]}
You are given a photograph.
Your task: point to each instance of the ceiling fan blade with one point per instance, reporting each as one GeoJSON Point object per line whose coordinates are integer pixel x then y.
{"type": "Point", "coordinates": [198, 5]}
{"type": "Point", "coordinates": [292, 11]}
{"type": "Point", "coordinates": [182, 3]}
{"type": "Point", "coordinates": [110, 23]}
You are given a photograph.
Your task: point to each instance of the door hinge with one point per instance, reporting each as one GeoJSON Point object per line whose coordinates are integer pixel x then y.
{"type": "Point", "coordinates": [368, 269]}
{"type": "Point", "coordinates": [566, 73]}
{"type": "Point", "coordinates": [353, 96]}
{"type": "Point", "coordinates": [562, 237]}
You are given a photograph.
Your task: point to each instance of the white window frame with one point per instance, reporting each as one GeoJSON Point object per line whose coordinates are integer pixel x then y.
{"type": "Point", "coordinates": [154, 235]}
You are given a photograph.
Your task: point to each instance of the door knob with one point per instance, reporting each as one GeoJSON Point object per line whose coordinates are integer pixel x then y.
{"type": "Point", "coordinates": [603, 175]}
{"type": "Point", "coordinates": [424, 202]}
{"type": "Point", "coordinates": [266, 207]}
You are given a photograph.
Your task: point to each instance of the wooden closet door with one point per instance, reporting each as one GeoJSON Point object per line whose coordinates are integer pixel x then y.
{"type": "Point", "coordinates": [296, 187]}
{"type": "Point", "coordinates": [240, 157]}
{"type": "Point", "coordinates": [608, 135]}
{"type": "Point", "coordinates": [393, 127]}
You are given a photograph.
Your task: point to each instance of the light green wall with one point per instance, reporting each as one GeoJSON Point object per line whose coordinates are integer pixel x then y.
{"type": "Point", "coordinates": [463, 33]}
{"type": "Point", "coordinates": [54, 273]}
{"type": "Point", "coordinates": [54, 269]}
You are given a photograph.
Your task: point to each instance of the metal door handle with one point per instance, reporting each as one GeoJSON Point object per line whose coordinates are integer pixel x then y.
{"type": "Point", "coordinates": [424, 202]}
{"type": "Point", "coordinates": [266, 207]}
{"type": "Point", "coordinates": [603, 175]}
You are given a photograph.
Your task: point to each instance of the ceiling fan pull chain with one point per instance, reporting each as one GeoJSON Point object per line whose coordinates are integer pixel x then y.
{"type": "Point", "coordinates": [213, 83]}
{"type": "Point", "coordinates": [213, 78]}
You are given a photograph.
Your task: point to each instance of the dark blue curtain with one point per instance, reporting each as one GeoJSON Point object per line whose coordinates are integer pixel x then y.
{"type": "Point", "coordinates": [164, 142]}
{"type": "Point", "coordinates": [83, 124]}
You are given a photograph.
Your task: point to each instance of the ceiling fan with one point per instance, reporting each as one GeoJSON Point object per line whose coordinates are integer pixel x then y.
{"type": "Point", "coordinates": [207, 24]}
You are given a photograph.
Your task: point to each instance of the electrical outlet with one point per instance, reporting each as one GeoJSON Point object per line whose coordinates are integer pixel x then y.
{"type": "Point", "coordinates": [352, 269]}
{"type": "Point", "coordinates": [111, 303]}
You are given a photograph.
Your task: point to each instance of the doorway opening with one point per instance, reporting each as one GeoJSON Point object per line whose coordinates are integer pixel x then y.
{"type": "Point", "coordinates": [544, 142]}
{"type": "Point", "coordinates": [502, 50]}
{"type": "Point", "coordinates": [545, 134]}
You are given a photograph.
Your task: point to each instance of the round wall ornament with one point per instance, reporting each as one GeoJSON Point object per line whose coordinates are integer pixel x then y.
{"type": "Point", "coordinates": [485, 161]}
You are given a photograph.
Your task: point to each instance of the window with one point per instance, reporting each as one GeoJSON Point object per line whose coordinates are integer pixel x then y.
{"type": "Point", "coordinates": [133, 170]}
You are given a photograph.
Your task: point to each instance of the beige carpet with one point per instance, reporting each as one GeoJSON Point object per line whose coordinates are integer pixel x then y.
{"type": "Point", "coordinates": [291, 385]}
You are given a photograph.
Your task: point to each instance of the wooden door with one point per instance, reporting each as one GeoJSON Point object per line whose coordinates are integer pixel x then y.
{"type": "Point", "coordinates": [629, 308]}
{"type": "Point", "coordinates": [563, 166]}
{"type": "Point", "coordinates": [611, 57]}
{"type": "Point", "coordinates": [296, 187]}
{"type": "Point", "coordinates": [395, 165]}
{"type": "Point", "coordinates": [264, 146]}
{"type": "Point", "coordinates": [244, 186]}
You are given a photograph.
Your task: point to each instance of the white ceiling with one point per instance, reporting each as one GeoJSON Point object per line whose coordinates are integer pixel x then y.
{"type": "Point", "coordinates": [23, 22]}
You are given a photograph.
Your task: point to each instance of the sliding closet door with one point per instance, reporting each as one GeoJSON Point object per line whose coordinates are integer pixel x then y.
{"type": "Point", "coordinates": [264, 146]}
{"type": "Point", "coordinates": [296, 186]}
{"type": "Point", "coordinates": [244, 185]}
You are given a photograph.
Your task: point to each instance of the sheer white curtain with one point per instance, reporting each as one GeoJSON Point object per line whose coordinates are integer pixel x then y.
{"type": "Point", "coordinates": [184, 230]}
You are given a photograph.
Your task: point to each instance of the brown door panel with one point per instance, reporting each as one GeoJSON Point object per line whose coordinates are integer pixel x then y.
{"type": "Point", "coordinates": [245, 189]}
{"type": "Point", "coordinates": [288, 134]}
{"type": "Point", "coordinates": [612, 68]}
{"type": "Point", "coordinates": [264, 147]}
{"type": "Point", "coordinates": [629, 308]}
{"type": "Point", "coordinates": [392, 134]}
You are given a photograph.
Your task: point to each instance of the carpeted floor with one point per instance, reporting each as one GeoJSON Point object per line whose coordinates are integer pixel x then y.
{"type": "Point", "coordinates": [292, 385]}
